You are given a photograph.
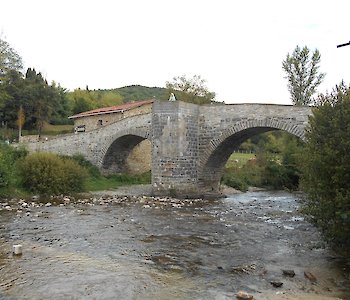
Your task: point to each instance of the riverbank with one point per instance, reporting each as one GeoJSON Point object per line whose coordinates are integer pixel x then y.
{"type": "Point", "coordinates": [129, 245]}
{"type": "Point", "coordinates": [146, 190]}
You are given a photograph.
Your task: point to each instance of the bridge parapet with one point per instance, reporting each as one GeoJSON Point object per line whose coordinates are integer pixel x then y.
{"type": "Point", "coordinates": [93, 145]}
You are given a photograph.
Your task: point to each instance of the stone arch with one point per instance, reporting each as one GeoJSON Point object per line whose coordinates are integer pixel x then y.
{"type": "Point", "coordinates": [220, 148]}
{"type": "Point", "coordinates": [119, 147]}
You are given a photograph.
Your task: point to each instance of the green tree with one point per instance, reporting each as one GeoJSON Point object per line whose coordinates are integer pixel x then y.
{"type": "Point", "coordinates": [9, 59]}
{"type": "Point", "coordinates": [193, 90]}
{"type": "Point", "coordinates": [10, 64]}
{"type": "Point", "coordinates": [302, 73]}
{"type": "Point", "coordinates": [61, 110]}
{"type": "Point", "coordinates": [11, 98]}
{"type": "Point", "coordinates": [326, 165]}
{"type": "Point", "coordinates": [40, 99]}
{"type": "Point", "coordinates": [81, 100]}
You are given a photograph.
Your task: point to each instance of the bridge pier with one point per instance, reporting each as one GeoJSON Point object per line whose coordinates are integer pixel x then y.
{"type": "Point", "coordinates": [175, 148]}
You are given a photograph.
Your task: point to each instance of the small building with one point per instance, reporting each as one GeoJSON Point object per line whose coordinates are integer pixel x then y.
{"type": "Point", "coordinates": [96, 118]}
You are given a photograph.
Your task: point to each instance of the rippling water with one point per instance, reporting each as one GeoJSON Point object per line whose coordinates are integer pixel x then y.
{"type": "Point", "coordinates": [146, 248]}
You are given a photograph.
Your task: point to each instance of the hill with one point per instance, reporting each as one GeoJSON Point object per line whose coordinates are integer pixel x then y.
{"type": "Point", "coordinates": [139, 92]}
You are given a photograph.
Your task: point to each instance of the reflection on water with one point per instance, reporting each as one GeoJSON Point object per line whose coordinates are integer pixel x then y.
{"type": "Point", "coordinates": [146, 248]}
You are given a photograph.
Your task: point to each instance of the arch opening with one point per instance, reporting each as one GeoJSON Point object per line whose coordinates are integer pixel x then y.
{"type": "Point", "coordinates": [213, 168]}
{"type": "Point", "coordinates": [129, 154]}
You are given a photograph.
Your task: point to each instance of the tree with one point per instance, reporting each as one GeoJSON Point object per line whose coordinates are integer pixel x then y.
{"type": "Point", "coordinates": [326, 165]}
{"type": "Point", "coordinates": [193, 90]}
{"type": "Point", "coordinates": [10, 62]}
{"type": "Point", "coordinates": [11, 97]}
{"type": "Point", "coordinates": [9, 59]}
{"type": "Point", "coordinates": [20, 121]}
{"type": "Point", "coordinates": [41, 100]}
{"type": "Point", "coordinates": [303, 74]}
{"type": "Point", "coordinates": [81, 100]}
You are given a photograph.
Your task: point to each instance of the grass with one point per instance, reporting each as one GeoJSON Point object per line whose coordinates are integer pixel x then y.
{"type": "Point", "coordinates": [238, 159]}
{"type": "Point", "coordinates": [57, 129]}
{"type": "Point", "coordinates": [114, 181]}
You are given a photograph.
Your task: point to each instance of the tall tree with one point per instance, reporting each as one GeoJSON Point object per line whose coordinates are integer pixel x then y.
{"type": "Point", "coordinates": [326, 165]}
{"type": "Point", "coordinates": [10, 62]}
{"type": "Point", "coordinates": [192, 90]}
{"type": "Point", "coordinates": [11, 97]}
{"type": "Point", "coordinates": [9, 59]}
{"type": "Point", "coordinates": [41, 99]}
{"type": "Point", "coordinates": [302, 72]}
{"type": "Point", "coordinates": [20, 121]}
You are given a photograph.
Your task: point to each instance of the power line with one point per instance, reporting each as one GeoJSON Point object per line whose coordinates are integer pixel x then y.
{"type": "Point", "coordinates": [342, 45]}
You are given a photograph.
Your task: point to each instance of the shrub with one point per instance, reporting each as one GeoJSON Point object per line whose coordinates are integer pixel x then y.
{"type": "Point", "coordinates": [8, 157]}
{"type": "Point", "coordinates": [47, 173]}
{"type": "Point", "coordinates": [263, 171]}
{"type": "Point", "coordinates": [235, 182]}
{"type": "Point", "coordinates": [92, 169]}
{"type": "Point", "coordinates": [326, 165]}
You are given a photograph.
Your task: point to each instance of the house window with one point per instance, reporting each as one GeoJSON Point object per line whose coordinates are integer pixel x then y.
{"type": "Point", "coordinates": [100, 122]}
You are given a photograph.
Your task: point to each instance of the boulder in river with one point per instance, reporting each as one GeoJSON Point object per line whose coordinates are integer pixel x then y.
{"type": "Point", "coordinates": [310, 276]}
{"type": "Point", "coordinates": [289, 273]}
{"type": "Point", "coordinates": [244, 296]}
{"type": "Point", "coordinates": [276, 284]}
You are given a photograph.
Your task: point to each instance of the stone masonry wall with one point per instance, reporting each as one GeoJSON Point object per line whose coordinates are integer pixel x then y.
{"type": "Point", "coordinates": [94, 144]}
{"type": "Point", "coordinates": [174, 148]}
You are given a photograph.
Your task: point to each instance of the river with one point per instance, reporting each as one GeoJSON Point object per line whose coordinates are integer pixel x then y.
{"type": "Point", "coordinates": [153, 248]}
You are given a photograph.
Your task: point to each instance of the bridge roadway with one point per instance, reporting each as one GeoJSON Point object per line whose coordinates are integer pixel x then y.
{"type": "Point", "coordinates": [190, 143]}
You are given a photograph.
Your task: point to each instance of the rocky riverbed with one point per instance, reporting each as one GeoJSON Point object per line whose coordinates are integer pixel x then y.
{"type": "Point", "coordinates": [125, 244]}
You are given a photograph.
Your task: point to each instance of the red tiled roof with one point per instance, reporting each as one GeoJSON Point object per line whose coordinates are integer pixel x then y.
{"type": "Point", "coordinates": [112, 109]}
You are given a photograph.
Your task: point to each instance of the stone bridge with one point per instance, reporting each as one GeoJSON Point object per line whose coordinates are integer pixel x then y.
{"type": "Point", "coordinates": [190, 144]}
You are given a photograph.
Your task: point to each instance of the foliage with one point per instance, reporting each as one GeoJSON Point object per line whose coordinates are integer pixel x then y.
{"type": "Point", "coordinates": [9, 60]}
{"type": "Point", "coordinates": [139, 92]}
{"type": "Point", "coordinates": [326, 165]}
{"type": "Point", "coordinates": [302, 72]}
{"type": "Point", "coordinates": [39, 100]}
{"type": "Point", "coordinates": [193, 90]}
{"type": "Point", "coordinates": [274, 166]}
{"type": "Point", "coordinates": [8, 158]}
{"type": "Point", "coordinates": [47, 173]}
{"type": "Point", "coordinates": [85, 100]}
{"type": "Point", "coordinates": [239, 159]}
{"type": "Point", "coordinates": [97, 182]}
{"type": "Point", "coordinates": [91, 169]}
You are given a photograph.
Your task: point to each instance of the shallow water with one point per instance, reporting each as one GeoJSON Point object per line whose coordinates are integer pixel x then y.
{"type": "Point", "coordinates": [146, 248]}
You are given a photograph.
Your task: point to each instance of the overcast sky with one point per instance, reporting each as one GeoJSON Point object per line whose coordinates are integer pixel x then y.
{"type": "Point", "coordinates": [237, 46]}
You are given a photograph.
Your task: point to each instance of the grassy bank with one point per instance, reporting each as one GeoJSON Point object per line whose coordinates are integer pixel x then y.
{"type": "Point", "coordinates": [101, 183]}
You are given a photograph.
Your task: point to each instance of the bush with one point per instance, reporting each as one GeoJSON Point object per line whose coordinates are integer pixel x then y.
{"type": "Point", "coordinates": [234, 181]}
{"type": "Point", "coordinates": [47, 173]}
{"type": "Point", "coordinates": [264, 171]}
{"type": "Point", "coordinates": [326, 165]}
{"type": "Point", "coordinates": [8, 157]}
{"type": "Point", "coordinates": [92, 169]}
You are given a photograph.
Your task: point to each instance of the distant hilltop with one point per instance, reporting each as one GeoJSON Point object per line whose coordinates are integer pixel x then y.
{"type": "Point", "coordinates": [138, 92]}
